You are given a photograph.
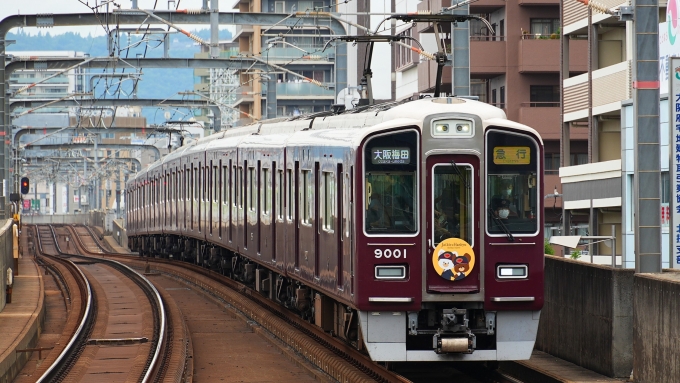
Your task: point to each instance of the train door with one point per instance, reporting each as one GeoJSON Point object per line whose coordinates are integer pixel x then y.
{"type": "Point", "coordinates": [453, 266]}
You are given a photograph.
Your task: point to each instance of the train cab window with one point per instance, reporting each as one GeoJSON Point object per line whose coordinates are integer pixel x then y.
{"type": "Point", "coordinates": [453, 214]}
{"type": "Point", "coordinates": [512, 191]}
{"type": "Point", "coordinates": [390, 165]}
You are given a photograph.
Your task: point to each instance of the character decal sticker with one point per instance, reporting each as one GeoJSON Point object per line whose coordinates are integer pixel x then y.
{"type": "Point", "coordinates": [453, 259]}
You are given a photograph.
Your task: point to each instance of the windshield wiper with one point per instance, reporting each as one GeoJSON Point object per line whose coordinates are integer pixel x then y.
{"type": "Point", "coordinates": [502, 225]}
{"type": "Point", "coordinates": [460, 174]}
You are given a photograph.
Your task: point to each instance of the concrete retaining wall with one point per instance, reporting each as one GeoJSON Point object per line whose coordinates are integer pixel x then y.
{"type": "Point", "coordinates": [587, 318]}
{"type": "Point", "coordinates": [119, 233]}
{"type": "Point", "coordinates": [56, 218]}
{"type": "Point", "coordinates": [656, 328]}
{"type": "Point", "coordinates": [6, 258]}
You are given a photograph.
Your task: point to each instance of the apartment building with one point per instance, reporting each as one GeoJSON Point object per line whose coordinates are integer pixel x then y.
{"type": "Point", "coordinates": [295, 49]}
{"type": "Point", "coordinates": [50, 84]}
{"type": "Point", "coordinates": [599, 102]}
{"type": "Point", "coordinates": [516, 66]}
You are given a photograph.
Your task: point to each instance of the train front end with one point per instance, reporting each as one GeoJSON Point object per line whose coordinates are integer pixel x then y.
{"type": "Point", "coordinates": [449, 239]}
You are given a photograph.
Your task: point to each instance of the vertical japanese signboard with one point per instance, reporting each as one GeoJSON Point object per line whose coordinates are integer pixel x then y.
{"type": "Point", "coordinates": [674, 166]}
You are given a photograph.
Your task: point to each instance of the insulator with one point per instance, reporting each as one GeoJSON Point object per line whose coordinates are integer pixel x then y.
{"type": "Point", "coordinates": [425, 12]}
{"type": "Point", "coordinates": [193, 11]}
{"type": "Point", "coordinates": [427, 55]}
{"type": "Point", "coordinates": [197, 39]}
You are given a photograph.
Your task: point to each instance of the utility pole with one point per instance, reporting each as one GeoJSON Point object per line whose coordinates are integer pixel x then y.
{"type": "Point", "coordinates": [647, 176]}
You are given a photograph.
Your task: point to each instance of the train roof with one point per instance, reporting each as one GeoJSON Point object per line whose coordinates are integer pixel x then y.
{"type": "Point", "coordinates": [329, 128]}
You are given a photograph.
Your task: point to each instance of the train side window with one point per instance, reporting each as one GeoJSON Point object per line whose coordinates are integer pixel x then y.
{"type": "Point", "coordinates": [239, 180]}
{"type": "Point", "coordinates": [279, 195]}
{"type": "Point", "coordinates": [306, 190]}
{"type": "Point", "coordinates": [216, 181]}
{"type": "Point", "coordinates": [224, 186]}
{"type": "Point", "coordinates": [289, 198]}
{"type": "Point", "coordinates": [266, 191]}
{"type": "Point", "coordinates": [251, 188]}
{"type": "Point", "coordinates": [328, 201]}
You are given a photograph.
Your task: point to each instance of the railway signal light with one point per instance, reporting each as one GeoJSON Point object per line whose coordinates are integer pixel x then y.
{"type": "Point", "coordinates": [24, 185]}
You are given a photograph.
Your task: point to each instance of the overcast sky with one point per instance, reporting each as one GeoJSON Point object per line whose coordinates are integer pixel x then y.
{"type": "Point", "coordinates": [29, 7]}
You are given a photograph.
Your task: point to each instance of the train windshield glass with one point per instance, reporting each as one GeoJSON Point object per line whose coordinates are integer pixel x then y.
{"type": "Point", "coordinates": [453, 213]}
{"type": "Point", "coordinates": [390, 163]}
{"type": "Point", "coordinates": [512, 192]}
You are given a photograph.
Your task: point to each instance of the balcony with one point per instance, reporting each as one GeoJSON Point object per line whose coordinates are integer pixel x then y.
{"type": "Point", "coordinates": [487, 57]}
{"type": "Point", "coordinates": [539, 54]}
{"type": "Point", "coordinates": [307, 54]}
{"type": "Point", "coordinates": [486, 6]}
{"type": "Point", "coordinates": [242, 30]}
{"type": "Point", "coordinates": [244, 94]}
{"type": "Point", "coordinates": [538, 2]}
{"type": "Point", "coordinates": [542, 116]}
{"type": "Point", "coordinates": [611, 85]}
{"type": "Point", "coordinates": [302, 90]}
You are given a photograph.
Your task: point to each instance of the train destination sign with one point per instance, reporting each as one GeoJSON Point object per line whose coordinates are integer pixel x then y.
{"type": "Point", "coordinates": [382, 156]}
{"type": "Point", "coordinates": [511, 155]}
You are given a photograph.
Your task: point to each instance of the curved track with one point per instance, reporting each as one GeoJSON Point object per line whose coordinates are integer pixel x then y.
{"type": "Point", "coordinates": [121, 317]}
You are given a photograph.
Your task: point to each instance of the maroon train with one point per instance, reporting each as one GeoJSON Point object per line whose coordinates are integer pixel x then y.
{"type": "Point", "coordinates": [412, 230]}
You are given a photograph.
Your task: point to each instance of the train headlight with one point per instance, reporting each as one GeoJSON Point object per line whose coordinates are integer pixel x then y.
{"type": "Point", "coordinates": [453, 128]}
{"type": "Point", "coordinates": [441, 128]}
{"type": "Point", "coordinates": [462, 128]}
{"type": "Point", "coordinates": [512, 271]}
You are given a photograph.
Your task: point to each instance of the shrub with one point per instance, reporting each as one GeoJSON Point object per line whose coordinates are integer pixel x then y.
{"type": "Point", "coordinates": [548, 249]}
{"type": "Point", "coordinates": [575, 254]}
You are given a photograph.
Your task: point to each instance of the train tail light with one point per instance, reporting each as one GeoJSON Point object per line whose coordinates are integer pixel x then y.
{"type": "Point", "coordinates": [512, 271]}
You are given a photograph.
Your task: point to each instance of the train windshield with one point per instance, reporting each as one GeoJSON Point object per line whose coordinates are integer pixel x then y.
{"type": "Point", "coordinates": [390, 184]}
{"type": "Point", "coordinates": [512, 191]}
{"type": "Point", "coordinates": [453, 213]}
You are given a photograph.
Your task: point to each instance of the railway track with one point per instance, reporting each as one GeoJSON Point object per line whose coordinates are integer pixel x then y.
{"type": "Point", "coordinates": [336, 358]}
{"type": "Point", "coordinates": [88, 332]}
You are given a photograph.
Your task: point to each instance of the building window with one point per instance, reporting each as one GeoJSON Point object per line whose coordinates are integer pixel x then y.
{"type": "Point", "coordinates": [578, 159]}
{"type": "Point", "coordinates": [478, 88]}
{"type": "Point", "coordinates": [405, 56]}
{"type": "Point", "coordinates": [279, 6]}
{"type": "Point", "coordinates": [493, 97]}
{"type": "Point", "coordinates": [544, 27]}
{"type": "Point", "coordinates": [502, 92]}
{"type": "Point", "coordinates": [544, 95]}
{"type": "Point", "coordinates": [552, 163]}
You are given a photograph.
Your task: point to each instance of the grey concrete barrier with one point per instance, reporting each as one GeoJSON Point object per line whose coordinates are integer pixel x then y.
{"type": "Point", "coordinates": [656, 327]}
{"type": "Point", "coordinates": [6, 258]}
{"type": "Point", "coordinates": [587, 318]}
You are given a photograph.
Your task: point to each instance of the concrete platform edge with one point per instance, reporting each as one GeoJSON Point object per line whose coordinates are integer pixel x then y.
{"type": "Point", "coordinates": [11, 361]}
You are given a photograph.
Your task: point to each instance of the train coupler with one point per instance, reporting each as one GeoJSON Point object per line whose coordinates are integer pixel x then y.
{"type": "Point", "coordinates": [454, 344]}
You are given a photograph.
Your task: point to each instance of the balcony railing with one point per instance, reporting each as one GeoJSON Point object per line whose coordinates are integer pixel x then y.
{"type": "Point", "coordinates": [308, 53]}
{"type": "Point", "coordinates": [301, 89]}
{"type": "Point", "coordinates": [486, 38]}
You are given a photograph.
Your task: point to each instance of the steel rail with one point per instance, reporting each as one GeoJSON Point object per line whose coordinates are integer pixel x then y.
{"type": "Point", "coordinates": [151, 292]}
{"type": "Point", "coordinates": [56, 368]}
